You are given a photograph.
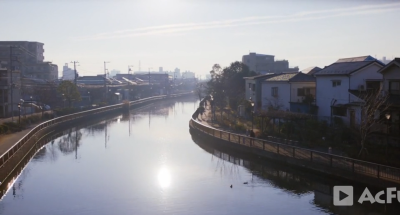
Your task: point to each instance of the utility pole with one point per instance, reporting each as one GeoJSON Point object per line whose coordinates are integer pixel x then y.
{"type": "Point", "coordinates": [129, 77]}
{"type": "Point", "coordinates": [105, 80]}
{"type": "Point", "coordinates": [149, 75]}
{"type": "Point", "coordinates": [76, 75]}
{"type": "Point", "coordinates": [11, 84]}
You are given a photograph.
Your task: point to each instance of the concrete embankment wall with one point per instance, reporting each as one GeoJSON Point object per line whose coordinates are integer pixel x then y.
{"type": "Point", "coordinates": [319, 162]}
{"type": "Point", "coordinates": [17, 155]}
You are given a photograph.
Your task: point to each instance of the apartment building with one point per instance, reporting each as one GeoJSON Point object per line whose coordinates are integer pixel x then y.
{"type": "Point", "coordinates": [262, 64]}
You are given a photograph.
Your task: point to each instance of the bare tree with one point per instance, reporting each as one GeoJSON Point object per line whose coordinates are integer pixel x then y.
{"type": "Point", "coordinates": [373, 106]}
{"type": "Point", "coordinates": [274, 104]}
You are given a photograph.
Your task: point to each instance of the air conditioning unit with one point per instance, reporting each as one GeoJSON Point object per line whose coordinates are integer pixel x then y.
{"type": "Point", "coordinates": [361, 87]}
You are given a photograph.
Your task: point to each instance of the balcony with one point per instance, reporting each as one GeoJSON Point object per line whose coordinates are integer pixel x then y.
{"type": "Point", "coordinates": [3, 82]}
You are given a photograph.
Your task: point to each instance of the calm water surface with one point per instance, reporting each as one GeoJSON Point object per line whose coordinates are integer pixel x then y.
{"type": "Point", "coordinates": [147, 162]}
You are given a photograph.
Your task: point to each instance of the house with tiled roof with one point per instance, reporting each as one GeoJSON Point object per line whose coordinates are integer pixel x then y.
{"type": "Point", "coordinates": [356, 59]}
{"type": "Point", "coordinates": [253, 88]}
{"type": "Point", "coordinates": [336, 82]}
{"type": "Point", "coordinates": [289, 91]}
{"type": "Point", "coordinates": [311, 70]}
{"type": "Point", "coordinates": [391, 87]}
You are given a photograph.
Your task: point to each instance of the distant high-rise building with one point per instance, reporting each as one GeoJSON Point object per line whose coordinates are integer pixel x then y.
{"type": "Point", "coordinates": [385, 60]}
{"type": "Point", "coordinates": [262, 64]}
{"type": "Point", "coordinates": [68, 73]}
{"type": "Point", "coordinates": [28, 57]}
{"type": "Point", "coordinates": [114, 72]}
{"type": "Point", "coordinates": [188, 74]}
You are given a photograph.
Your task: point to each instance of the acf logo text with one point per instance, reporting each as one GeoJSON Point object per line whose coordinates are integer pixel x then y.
{"type": "Point", "coordinates": [344, 196]}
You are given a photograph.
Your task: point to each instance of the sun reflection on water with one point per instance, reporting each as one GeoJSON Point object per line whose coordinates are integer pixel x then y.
{"type": "Point", "coordinates": [164, 178]}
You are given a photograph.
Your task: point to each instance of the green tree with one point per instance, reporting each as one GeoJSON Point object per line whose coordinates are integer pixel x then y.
{"type": "Point", "coordinates": [69, 91]}
{"type": "Point", "coordinates": [229, 83]}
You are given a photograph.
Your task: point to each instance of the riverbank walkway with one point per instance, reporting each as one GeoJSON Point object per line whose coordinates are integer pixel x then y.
{"type": "Point", "coordinates": [206, 119]}
{"type": "Point", "coordinates": [323, 161]}
{"type": "Point", "coordinates": [8, 140]}
{"type": "Point", "coordinates": [10, 119]}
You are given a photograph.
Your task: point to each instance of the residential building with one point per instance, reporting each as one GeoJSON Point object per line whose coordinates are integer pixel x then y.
{"type": "Point", "coordinates": [68, 73]}
{"type": "Point", "coordinates": [41, 70]}
{"type": "Point", "coordinates": [253, 89]}
{"type": "Point", "coordinates": [10, 92]}
{"type": "Point", "coordinates": [27, 52]}
{"type": "Point", "coordinates": [336, 82]}
{"type": "Point", "coordinates": [289, 91]}
{"type": "Point", "coordinates": [262, 64]}
{"type": "Point", "coordinates": [311, 70]}
{"type": "Point", "coordinates": [28, 58]}
{"type": "Point", "coordinates": [391, 87]}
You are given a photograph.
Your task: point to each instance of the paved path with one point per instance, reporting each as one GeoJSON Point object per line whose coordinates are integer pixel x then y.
{"type": "Point", "coordinates": [206, 120]}
{"type": "Point", "coordinates": [8, 140]}
{"type": "Point", "coordinates": [2, 120]}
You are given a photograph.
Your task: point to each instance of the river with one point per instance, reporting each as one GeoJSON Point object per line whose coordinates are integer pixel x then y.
{"type": "Point", "coordinates": [147, 162]}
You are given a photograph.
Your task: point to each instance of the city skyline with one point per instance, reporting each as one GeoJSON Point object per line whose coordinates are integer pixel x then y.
{"type": "Point", "coordinates": [191, 36]}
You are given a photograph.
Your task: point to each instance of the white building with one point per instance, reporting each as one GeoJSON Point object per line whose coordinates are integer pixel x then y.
{"type": "Point", "coordinates": [188, 75]}
{"type": "Point", "coordinates": [68, 73]}
{"type": "Point", "coordinates": [114, 72]}
{"type": "Point", "coordinates": [336, 82]}
{"type": "Point", "coordinates": [253, 88]}
{"type": "Point", "coordinates": [288, 92]}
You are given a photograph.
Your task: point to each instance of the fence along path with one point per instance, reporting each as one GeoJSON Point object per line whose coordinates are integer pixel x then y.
{"type": "Point", "coordinates": [324, 159]}
{"type": "Point", "coordinates": [32, 134]}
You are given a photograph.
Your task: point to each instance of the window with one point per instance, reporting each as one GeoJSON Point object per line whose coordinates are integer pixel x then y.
{"type": "Point", "coordinates": [339, 111]}
{"type": "Point", "coordinates": [305, 91]}
{"type": "Point", "coordinates": [300, 92]}
{"type": "Point", "coordinates": [274, 91]}
{"type": "Point", "coordinates": [373, 86]}
{"type": "Point", "coordinates": [336, 83]}
{"type": "Point", "coordinates": [253, 87]}
{"type": "Point", "coordinates": [394, 87]}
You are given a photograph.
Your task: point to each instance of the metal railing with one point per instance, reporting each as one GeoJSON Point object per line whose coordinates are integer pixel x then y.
{"type": "Point", "coordinates": [10, 152]}
{"type": "Point", "coordinates": [324, 160]}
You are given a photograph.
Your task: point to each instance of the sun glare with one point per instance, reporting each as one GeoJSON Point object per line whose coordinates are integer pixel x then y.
{"type": "Point", "coordinates": [164, 178]}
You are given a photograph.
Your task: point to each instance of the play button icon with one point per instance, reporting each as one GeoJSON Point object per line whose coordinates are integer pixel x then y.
{"type": "Point", "coordinates": [342, 195]}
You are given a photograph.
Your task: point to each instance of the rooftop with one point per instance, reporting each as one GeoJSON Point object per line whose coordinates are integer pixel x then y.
{"type": "Point", "coordinates": [394, 62]}
{"type": "Point", "coordinates": [345, 68]}
{"type": "Point", "coordinates": [311, 70]}
{"type": "Point", "coordinates": [261, 55]}
{"type": "Point", "coordinates": [260, 76]}
{"type": "Point", "coordinates": [356, 59]}
{"type": "Point", "coordinates": [292, 77]}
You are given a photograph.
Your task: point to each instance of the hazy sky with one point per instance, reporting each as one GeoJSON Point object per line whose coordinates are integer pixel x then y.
{"type": "Point", "coordinates": [194, 35]}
